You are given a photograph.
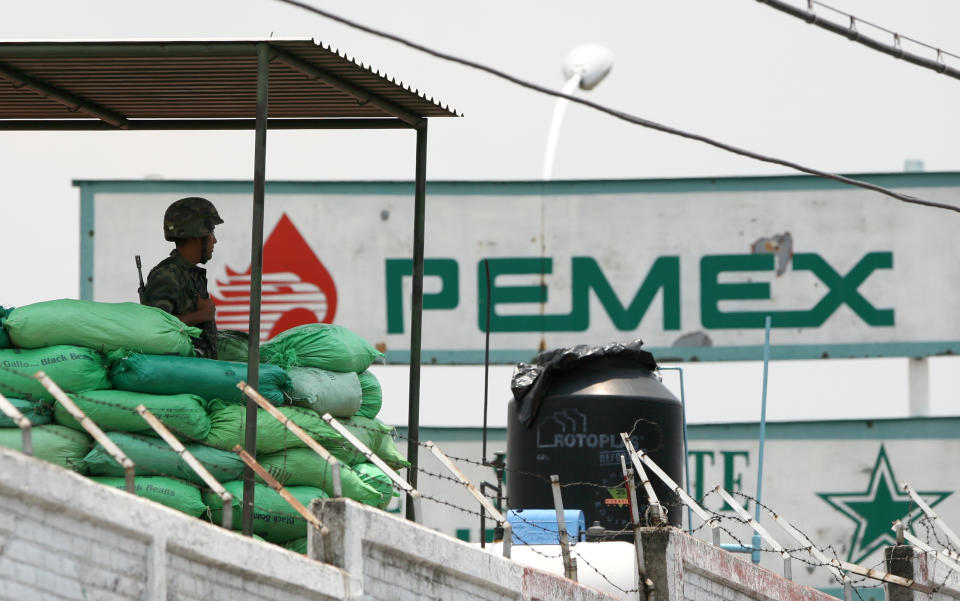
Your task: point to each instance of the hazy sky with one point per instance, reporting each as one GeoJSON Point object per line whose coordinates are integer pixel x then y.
{"type": "Point", "coordinates": [735, 70]}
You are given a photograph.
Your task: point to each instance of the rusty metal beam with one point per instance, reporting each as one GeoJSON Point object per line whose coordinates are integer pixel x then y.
{"type": "Point", "coordinates": [362, 96]}
{"type": "Point", "coordinates": [72, 101]}
{"type": "Point", "coordinates": [197, 124]}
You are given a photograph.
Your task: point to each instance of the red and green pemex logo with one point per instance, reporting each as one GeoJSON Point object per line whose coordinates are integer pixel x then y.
{"type": "Point", "coordinates": [297, 288]}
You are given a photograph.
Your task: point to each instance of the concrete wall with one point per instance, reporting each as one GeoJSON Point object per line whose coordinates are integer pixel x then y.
{"type": "Point", "coordinates": [63, 537]}
{"type": "Point", "coordinates": [66, 538]}
{"type": "Point", "coordinates": [684, 568]}
{"type": "Point", "coordinates": [390, 559]}
{"type": "Point", "coordinates": [937, 581]}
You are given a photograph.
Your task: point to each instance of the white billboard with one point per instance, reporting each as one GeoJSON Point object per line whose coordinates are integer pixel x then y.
{"type": "Point", "coordinates": [690, 266]}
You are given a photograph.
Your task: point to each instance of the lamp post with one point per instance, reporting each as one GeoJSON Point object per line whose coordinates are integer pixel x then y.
{"type": "Point", "coordinates": [584, 67]}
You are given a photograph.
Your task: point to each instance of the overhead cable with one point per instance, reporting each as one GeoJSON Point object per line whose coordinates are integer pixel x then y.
{"type": "Point", "coordinates": [623, 115]}
{"type": "Point", "coordinates": [851, 32]}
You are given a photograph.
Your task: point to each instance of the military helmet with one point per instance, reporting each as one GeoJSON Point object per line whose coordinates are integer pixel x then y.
{"type": "Point", "coordinates": [191, 217]}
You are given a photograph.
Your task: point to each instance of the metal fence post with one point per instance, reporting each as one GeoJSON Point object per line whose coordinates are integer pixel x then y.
{"type": "Point", "coordinates": [569, 563]}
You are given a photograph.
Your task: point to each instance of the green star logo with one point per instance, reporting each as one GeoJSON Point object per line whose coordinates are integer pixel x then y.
{"type": "Point", "coordinates": [876, 509]}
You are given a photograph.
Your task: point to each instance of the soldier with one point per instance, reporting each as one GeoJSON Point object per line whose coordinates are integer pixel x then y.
{"type": "Point", "coordinates": [177, 284]}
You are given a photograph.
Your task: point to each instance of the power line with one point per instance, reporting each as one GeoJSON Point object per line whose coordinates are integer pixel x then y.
{"type": "Point", "coordinates": [853, 34]}
{"type": "Point", "coordinates": [897, 37]}
{"type": "Point", "coordinates": [624, 116]}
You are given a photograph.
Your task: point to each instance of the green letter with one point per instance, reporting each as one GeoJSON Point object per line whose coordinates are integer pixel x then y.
{"type": "Point", "coordinates": [732, 480]}
{"type": "Point", "coordinates": [698, 474]}
{"type": "Point", "coordinates": [512, 294]}
{"type": "Point", "coordinates": [712, 291]}
{"type": "Point", "coordinates": [447, 298]}
{"type": "Point", "coordinates": [665, 273]}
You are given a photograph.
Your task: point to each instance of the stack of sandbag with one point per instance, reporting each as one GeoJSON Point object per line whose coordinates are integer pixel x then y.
{"type": "Point", "coordinates": [208, 378]}
{"type": "Point", "coordinates": [75, 370]}
{"type": "Point", "coordinates": [328, 366]}
{"type": "Point", "coordinates": [67, 340]}
{"type": "Point", "coordinates": [308, 371]}
{"type": "Point", "coordinates": [100, 326]}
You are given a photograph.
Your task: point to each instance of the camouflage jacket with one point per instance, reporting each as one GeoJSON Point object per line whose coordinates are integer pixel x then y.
{"type": "Point", "coordinates": [174, 285]}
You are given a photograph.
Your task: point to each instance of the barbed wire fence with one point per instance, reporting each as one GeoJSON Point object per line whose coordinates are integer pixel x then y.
{"type": "Point", "coordinates": [729, 525]}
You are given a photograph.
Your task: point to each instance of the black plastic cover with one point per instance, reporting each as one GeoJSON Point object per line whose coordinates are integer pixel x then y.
{"type": "Point", "coordinates": [530, 383]}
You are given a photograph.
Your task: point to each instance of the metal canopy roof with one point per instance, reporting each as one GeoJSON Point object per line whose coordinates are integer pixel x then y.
{"type": "Point", "coordinates": [197, 84]}
{"type": "Point", "coordinates": [119, 83]}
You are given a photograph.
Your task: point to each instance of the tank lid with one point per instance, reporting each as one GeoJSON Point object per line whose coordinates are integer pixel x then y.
{"type": "Point", "coordinates": [531, 383]}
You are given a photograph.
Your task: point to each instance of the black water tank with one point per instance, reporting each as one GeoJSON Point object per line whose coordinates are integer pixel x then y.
{"type": "Point", "coordinates": [576, 435]}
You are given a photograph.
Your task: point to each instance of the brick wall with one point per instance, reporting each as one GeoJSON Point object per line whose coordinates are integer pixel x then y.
{"type": "Point", "coordinates": [684, 568]}
{"type": "Point", "coordinates": [390, 559]}
{"type": "Point", "coordinates": [939, 581]}
{"type": "Point", "coordinates": [66, 538]}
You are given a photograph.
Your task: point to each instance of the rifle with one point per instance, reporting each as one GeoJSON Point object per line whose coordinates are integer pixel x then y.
{"type": "Point", "coordinates": [142, 288]}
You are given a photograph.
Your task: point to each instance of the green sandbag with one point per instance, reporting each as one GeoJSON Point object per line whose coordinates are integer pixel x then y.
{"type": "Point", "coordinates": [380, 439]}
{"type": "Point", "coordinates": [53, 443]}
{"type": "Point", "coordinates": [171, 492]}
{"type": "Point", "coordinates": [324, 391]}
{"type": "Point", "coordinates": [298, 545]}
{"type": "Point", "coordinates": [303, 467]}
{"type": "Point", "coordinates": [37, 413]}
{"type": "Point", "coordinates": [371, 395]}
{"type": "Point", "coordinates": [372, 432]}
{"type": "Point", "coordinates": [4, 337]}
{"type": "Point", "coordinates": [101, 326]}
{"type": "Point", "coordinates": [116, 410]}
{"type": "Point", "coordinates": [72, 368]}
{"type": "Point", "coordinates": [232, 345]}
{"type": "Point", "coordinates": [228, 427]}
{"type": "Point", "coordinates": [374, 476]}
{"type": "Point", "coordinates": [166, 374]}
{"type": "Point", "coordinates": [273, 518]}
{"type": "Point", "coordinates": [322, 345]}
{"type": "Point", "coordinates": [152, 457]}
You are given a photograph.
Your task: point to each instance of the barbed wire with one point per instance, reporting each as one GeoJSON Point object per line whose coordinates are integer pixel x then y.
{"type": "Point", "coordinates": [717, 519]}
{"type": "Point", "coordinates": [602, 575]}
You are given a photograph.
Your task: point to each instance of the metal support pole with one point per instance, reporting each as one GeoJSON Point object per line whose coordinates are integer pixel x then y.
{"type": "Point", "coordinates": [641, 571]}
{"type": "Point", "coordinates": [283, 492]}
{"type": "Point", "coordinates": [755, 556]}
{"type": "Point", "coordinates": [297, 431]}
{"type": "Point", "coordinates": [945, 556]}
{"type": "Point", "coordinates": [637, 457]}
{"type": "Point", "coordinates": [930, 513]}
{"type": "Point", "coordinates": [26, 445]}
{"type": "Point", "coordinates": [91, 427]}
{"type": "Point", "coordinates": [657, 514]}
{"type": "Point", "coordinates": [256, 275]}
{"type": "Point", "coordinates": [416, 312]}
{"type": "Point", "coordinates": [758, 532]}
{"type": "Point", "coordinates": [192, 462]}
{"type": "Point", "coordinates": [412, 493]}
{"type": "Point", "coordinates": [569, 563]}
{"type": "Point", "coordinates": [484, 502]}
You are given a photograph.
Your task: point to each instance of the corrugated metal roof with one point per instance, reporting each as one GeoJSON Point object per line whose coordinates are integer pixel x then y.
{"type": "Point", "coordinates": [196, 80]}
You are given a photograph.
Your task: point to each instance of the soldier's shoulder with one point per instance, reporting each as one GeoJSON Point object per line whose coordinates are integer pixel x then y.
{"type": "Point", "coordinates": [169, 267]}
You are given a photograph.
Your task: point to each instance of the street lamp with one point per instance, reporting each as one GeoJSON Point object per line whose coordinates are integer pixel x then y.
{"type": "Point", "coordinates": [585, 66]}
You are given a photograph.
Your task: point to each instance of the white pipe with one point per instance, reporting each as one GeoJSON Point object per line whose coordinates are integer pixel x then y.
{"type": "Point", "coordinates": [558, 110]}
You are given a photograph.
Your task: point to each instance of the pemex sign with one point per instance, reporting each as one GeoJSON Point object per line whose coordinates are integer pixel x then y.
{"type": "Point", "coordinates": [693, 267]}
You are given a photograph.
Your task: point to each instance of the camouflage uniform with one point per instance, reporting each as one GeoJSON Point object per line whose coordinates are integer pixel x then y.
{"type": "Point", "coordinates": [174, 286]}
